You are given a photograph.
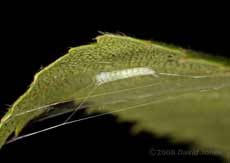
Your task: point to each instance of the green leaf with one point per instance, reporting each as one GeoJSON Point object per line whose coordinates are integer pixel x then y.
{"type": "Point", "coordinates": [166, 90]}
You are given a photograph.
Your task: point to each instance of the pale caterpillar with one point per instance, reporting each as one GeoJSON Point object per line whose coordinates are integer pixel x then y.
{"type": "Point", "coordinates": [105, 77]}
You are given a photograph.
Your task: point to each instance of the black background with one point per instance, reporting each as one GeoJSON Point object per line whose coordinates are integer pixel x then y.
{"type": "Point", "coordinates": [34, 36]}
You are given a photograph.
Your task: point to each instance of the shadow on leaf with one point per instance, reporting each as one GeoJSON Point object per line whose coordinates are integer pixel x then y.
{"type": "Point", "coordinates": [102, 138]}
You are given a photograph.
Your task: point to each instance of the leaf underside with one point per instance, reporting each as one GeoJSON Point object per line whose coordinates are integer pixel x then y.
{"type": "Point", "coordinates": [165, 90]}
